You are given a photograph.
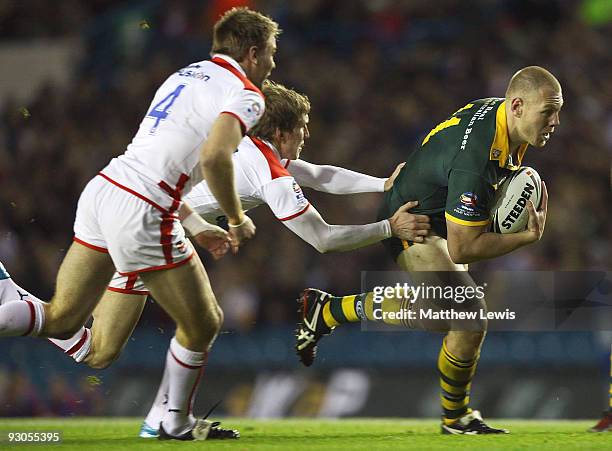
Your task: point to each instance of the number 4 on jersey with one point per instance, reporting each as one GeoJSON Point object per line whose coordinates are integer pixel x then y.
{"type": "Point", "coordinates": [160, 111]}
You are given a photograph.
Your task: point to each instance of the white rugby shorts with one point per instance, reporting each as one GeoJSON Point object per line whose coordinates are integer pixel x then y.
{"type": "Point", "coordinates": [131, 284]}
{"type": "Point", "coordinates": [138, 234]}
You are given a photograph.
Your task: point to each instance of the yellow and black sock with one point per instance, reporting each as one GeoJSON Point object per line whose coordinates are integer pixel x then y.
{"type": "Point", "coordinates": [344, 309]}
{"type": "Point", "coordinates": [361, 307]}
{"type": "Point", "coordinates": [455, 382]}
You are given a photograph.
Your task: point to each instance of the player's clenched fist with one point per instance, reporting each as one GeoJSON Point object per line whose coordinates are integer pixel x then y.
{"type": "Point", "coordinates": [216, 241]}
{"type": "Point", "coordinates": [208, 236]}
{"type": "Point", "coordinates": [406, 226]}
{"type": "Point", "coordinates": [241, 232]}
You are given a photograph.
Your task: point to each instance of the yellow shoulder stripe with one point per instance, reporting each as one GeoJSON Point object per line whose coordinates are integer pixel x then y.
{"type": "Point", "coordinates": [441, 126]}
{"type": "Point", "coordinates": [467, 107]}
{"type": "Point", "coordinates": [464, 222]}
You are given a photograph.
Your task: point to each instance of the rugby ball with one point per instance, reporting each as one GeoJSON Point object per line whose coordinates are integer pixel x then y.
{"type": "Point", "coordinates": [509, 212]}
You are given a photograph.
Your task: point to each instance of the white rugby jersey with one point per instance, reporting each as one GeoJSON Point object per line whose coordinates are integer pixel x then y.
{"type": "Point", "coordinates": [161, 163]}
{"type": "Point", "coordinates": [261, 178]}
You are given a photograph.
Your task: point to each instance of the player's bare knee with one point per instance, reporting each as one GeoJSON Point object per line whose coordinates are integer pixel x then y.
{"type": "Point", "coordinates": [101, 354]}
{"type": "Point", "coordinates": [465, 344]}
{"type": "Point", "coordinates": [474, 338]}
{"type": "Point", "coordinates": [101, 360]}
{"type": "Point", "coordinates": [478, 327]}
{"type": "Point", "coordinates": [97, 363]}
{"type": "Point", "coordinates": [214, 319]}
{"type": "Point", "coordinates": [220, 317]}
{"type": "Point", "coordinates": [202, 329]}
{"type": "Point", "coordinates": [214, 323]}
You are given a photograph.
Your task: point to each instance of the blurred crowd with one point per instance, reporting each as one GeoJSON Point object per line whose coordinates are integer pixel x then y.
{"type": "Point", "coordinates": [380, 74]}
{"type": "Point", "coordinates": [21, 397]}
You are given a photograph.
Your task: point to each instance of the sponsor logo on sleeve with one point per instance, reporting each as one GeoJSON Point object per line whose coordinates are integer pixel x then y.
{"type": "Point", "coordinates": [254, 111]}
{"type": "Point", "coordinates": [468, 205]}
{"type": "Point", "coordinates": [299, 195]}
{"type": "Point", "coordinates": [469, 199]}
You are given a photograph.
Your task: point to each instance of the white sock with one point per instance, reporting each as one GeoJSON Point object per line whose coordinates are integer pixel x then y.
{"type": "Point", "coordinates": [24, 318]}
{"type": "Point", "coordinates": [77, 346]}
{"type": "Point", "coordinates": [184, 371]}
{"type": "Point", "coordinates": [10, 291]}
{"type": "Point", "coordinates": [160, 405]}
{"type": "Point", "coordinates": [21, 318]}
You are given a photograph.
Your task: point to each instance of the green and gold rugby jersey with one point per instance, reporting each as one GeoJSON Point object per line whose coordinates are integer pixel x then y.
{"type": "Point", "coordinates": [456, 170]}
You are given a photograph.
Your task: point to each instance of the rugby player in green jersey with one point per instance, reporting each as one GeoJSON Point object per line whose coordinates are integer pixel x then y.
{"type": "Point", "coordinates": [453, 175]}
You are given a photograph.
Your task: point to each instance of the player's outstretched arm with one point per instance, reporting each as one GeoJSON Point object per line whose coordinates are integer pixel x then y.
{"type": "Point", "coordinates": [218, 170]}
{"type": "Point", "coordinates": [468, 244]}
{"type": "Point", "coordinates": [324, 237]}
{"type": "Point", "coordinates": [337, 180]}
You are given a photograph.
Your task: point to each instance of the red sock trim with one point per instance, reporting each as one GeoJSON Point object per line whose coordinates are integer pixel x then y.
{"type": "Point", "coordinates": [32, 318]}
{"type": "Point", "coordinates": [193, 390]}
{"type": "Point", "coordinates": [183, 364]}
{"type": "Point", "coordinates": [79, 343]}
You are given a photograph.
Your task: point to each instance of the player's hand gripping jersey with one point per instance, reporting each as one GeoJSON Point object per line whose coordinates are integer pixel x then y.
{"type": "Point", "coordinates": [455, 172]}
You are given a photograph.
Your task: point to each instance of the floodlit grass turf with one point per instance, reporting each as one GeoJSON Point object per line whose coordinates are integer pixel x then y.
{"type": "Point", "coordinates": [364, 434]}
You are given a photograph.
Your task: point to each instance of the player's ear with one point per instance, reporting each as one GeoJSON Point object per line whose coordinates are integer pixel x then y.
{"type": "Point", "coordinates": [516, 107]}
{"type": "Point", "coordinates": [278, 136]}
{"type": "Point", "coordinates": [252, 54]}
{"type": "Point", "coordinates": [255, 53]}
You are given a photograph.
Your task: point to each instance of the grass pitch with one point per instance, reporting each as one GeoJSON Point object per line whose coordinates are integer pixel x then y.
{"type": "Point", "coordinates": [304, 434]}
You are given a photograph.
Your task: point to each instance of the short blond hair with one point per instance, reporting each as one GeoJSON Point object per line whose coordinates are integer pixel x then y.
{"type": "Point", "coordinates": [241, 28]}
{"type": "Point", "coordinates": [285, 110]}
{"type": "Point", "coordinates": [530, 80]}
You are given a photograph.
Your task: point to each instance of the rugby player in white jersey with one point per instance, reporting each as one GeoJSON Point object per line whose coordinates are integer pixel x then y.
{"type": "Point", "coordinates": [268, 171]}
{"type": "Point", "coordinates": [128, 218]}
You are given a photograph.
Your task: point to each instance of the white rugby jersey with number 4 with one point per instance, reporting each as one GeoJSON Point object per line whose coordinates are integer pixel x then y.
{"type": "Point", "coordinates": [161, 163]}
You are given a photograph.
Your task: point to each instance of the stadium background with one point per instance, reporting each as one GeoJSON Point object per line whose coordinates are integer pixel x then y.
{"type": "Point", "coordinates": [77, 78]}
